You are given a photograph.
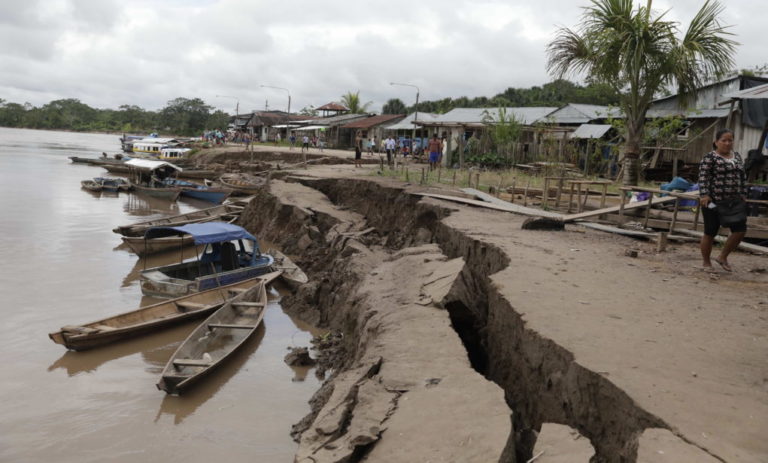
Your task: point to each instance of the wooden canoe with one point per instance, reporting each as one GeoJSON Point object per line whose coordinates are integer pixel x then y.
{"type": "Point", "coordinates": [244, 185]}
{"type": "Point", "coordinates": [169, 193]}
{"type": "Point", "coordinates": [152, 317]}
{"type": "Point", "coordinates": [214, 340]}
{"type": "Point", "coordinates": [292, 274]}
{"type": "Point", "coordinates": [143, 247]}
{"type": "Point", "coordinates": [91, 185]}
{"type": "Point", "coordinates": [202, 215]}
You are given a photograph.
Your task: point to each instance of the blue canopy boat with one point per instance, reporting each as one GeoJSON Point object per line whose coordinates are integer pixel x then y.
{"type": "Point", "coordinates": [197, 191]}
{"type": "Point", "coordinates": [230, 255]}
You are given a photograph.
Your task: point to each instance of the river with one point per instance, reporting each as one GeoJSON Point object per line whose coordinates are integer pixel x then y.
{"type": "Point", "coordinates": [63, 265]}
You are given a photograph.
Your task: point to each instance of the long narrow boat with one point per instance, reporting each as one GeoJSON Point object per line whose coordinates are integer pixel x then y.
{"type": "Point", "coordinates": [91, 185]}
{"type": "Point", "coordinates": [144, 247]}
{"type": "Point", "coordinates": [152, 317]}
{"type": "Point", "coordinates": [214, 340]}
{"type": "Point", "coordinates": [201, 215]}
{"type": "Point", "coordinates": [292, 274]}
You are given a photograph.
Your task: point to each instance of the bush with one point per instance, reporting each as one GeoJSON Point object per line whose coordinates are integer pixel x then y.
{"type": "Point", "coordinates": [489, 160]}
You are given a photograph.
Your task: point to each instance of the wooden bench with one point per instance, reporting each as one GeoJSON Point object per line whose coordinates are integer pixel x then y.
{"type": "Point", "coordinates": [184, 306]}
{"type": "Point", "coordinates": [247, 304]}
{"type": "Point", "coordinates": [192, 363]}
{"type": "Point", "coordinates": [211, 326]}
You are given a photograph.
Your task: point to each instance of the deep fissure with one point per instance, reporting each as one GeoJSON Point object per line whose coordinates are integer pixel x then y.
{"type": "Point", "coordinates": [546, 387]}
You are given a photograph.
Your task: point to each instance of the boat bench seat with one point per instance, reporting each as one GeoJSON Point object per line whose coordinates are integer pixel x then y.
{"type": "Point", "coordinates": [192, 363]}
{"type": "Point", "coordinates": [79, 329]}
{"type": "Point", "coordinates": [183, 306]}
{"type": "Point", "coordinates": [226, 325]}
{"type": "Point", "coordinates": [248, 304]}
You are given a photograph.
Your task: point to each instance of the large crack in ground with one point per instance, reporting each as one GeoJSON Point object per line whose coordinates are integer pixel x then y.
{"type": "Point", "coordinates": [354, 240]}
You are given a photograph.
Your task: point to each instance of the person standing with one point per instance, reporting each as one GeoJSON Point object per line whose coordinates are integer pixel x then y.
{"type": "Point", "coordinates": [435, 148]}
{"type": "Point", "coordinates": [390, 144]}
{"type": "Point", "coordinates": [305, 143]}
{"type": "Point", "coordinates": [722, 181]}
{"type": "Point", "coordinates": [277, 139]}
{"type": "Point", "coordinates": [358, 150]}
{"type": "Point", "coordinates": [371, 145]}
{"type": "Point", "coordinates": [321, 141]}
{"type": "Point", "coordinates": [292, 140]}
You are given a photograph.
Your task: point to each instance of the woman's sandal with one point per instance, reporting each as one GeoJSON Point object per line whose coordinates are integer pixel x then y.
{"type": "Point", "coordinates": [724, 264]}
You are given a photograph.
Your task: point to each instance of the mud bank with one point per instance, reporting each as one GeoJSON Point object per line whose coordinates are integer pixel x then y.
{"type": "Point", "coordinates": [375, 254]}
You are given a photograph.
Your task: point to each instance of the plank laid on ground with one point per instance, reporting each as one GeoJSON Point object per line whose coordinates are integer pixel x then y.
{"type": "Point", "coordinates": [620, 231]}
{"type": "Point", "coordinates": [510, 208]}
{"type": "Point", "coordinates": [513, 207]}
{"type": "Point", "coordinates": [721, 239]}
{"type": "Point", "coordinates": [629, 206]}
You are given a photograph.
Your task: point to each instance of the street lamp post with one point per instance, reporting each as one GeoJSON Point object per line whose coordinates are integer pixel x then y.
{"type": "Point", "coordinates": [415, 114]}
{"type": "Point", "coordinates": [303, 154]}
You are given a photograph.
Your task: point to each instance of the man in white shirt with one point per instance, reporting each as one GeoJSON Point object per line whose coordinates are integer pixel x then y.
{"type": "Point", "coordinates": [391, 144]}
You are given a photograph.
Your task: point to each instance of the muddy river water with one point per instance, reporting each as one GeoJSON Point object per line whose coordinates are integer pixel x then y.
{"type": "Point", "coordinates": [62, 264]}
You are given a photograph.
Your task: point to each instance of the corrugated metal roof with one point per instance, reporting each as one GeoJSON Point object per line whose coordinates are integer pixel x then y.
{"type": "Point", "coordinates": [407, 123]}
{"type": "Point", "coordinates": [755, 93]}
{"type": "Point", "coordinates": [372, 121]}
{"type": "Point", "coordinates": [524, 115]}
{"type": "Point", "coordinates": [576, 113]}
{"type": "Point", "coordinates": [690, 114]}
{"type": "Point", "coordinates": [591, 131]}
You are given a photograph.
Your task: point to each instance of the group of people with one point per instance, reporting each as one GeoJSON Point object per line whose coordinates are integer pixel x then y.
{"type": "Point", "coordinates": [392, 147]}
{"type": "Point", "coordinates": [306, 141]}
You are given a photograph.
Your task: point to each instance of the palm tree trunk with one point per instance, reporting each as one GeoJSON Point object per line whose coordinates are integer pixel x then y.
{"type": "Point", "coordinates": [632, 154]}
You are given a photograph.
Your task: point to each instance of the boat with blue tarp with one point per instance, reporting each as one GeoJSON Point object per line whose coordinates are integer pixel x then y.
{"type": "Point", "coordinates": [197, 191]}
{"type": "Point", "coordinates": [230, 254]}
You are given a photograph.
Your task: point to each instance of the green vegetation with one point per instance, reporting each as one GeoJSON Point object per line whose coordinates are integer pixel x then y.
{"type": "Point", "coordinates": [557, 93]}
{"type": "Point", "coordinates": [181, 116]}
{"type": "Point", "coordinates": [353, 102]}
{"type": "Point", "coordinates": [394, 106]}
{"type": "Point", "coordinates": [638, 53]}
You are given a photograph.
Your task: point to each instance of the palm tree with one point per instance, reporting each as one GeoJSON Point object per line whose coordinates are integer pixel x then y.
{"type": "Point", "coordinates": [352, 101]}
{"type": "Point", "coordinates": [639, 53]}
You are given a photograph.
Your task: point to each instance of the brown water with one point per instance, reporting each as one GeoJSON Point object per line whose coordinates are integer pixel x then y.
{"type": "Point", "coordinates": [61, 264]}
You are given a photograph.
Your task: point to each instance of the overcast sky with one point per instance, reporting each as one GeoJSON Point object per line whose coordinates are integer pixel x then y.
{"type": "Point", "coordinates": [145, 52]}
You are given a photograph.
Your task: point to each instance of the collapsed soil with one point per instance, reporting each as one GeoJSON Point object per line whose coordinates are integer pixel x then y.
{"type": "Point", "coordinates": [464, 334]}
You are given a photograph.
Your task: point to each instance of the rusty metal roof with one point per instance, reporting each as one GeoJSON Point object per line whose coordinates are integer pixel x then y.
{"type": "Point", "coordinates": [372, 121]}
{"type": "Point", "coordinates": [332, 106]}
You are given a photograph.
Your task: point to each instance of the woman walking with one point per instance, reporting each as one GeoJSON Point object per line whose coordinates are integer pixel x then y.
{"type": "Point", "coordinates": [723, 191]}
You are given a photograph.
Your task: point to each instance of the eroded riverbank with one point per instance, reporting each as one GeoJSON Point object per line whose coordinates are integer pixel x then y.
{"type": "Point", "coordinates": [548, 317]}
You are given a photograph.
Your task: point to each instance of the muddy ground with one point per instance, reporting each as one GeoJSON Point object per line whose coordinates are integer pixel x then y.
{"type": "Point", "coordinates": [464, 338]}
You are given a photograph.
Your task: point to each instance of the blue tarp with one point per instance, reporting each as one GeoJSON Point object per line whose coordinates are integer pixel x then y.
{"type": "Point", "coordinates": [204, 233]}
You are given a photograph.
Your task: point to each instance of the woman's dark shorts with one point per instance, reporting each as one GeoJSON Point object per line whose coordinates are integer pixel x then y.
{"type": "Point", "coordinates": [712, 223]}
{"type": "Point", "coordinates": [358, 153]}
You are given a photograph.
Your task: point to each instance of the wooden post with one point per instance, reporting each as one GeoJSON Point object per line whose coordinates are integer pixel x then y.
{"type": "Point", "coordinates": [696, 215]}
{"type": "Point", "coordinates": [674, 164]}
{"type": "Point", "coordinates": [623, 201]}
{"type": "Point", "coordinates": [559, 191]}
{"type": "Point", "coordinates": [439, 172]}
{"type": "Point", "coordinates": [648, 211]}
{"type": "Point", "coordinates": [407, 177]}
{"type": "Point", "coordinates": [514, 188]}
{"type": "Point", "coordinates": [498, 189]}
{"type": "Point", "coordinates": [423, 177]}
{"type": "Point", "coordinates": [580, 207]}
{"type": "Point", "coordinates": [674, 215]}
{"type": "Point", "coordinates": [525, 193]}
{"type": "Point", "coordinates": [454, 177]}
{"type": "Point", "coordinates": [545, 193]}
{"type": "Point", "coordinates": [570, 196]}
{"type": "Point", "coordinates": [661, 244]}
{"type": "Point", "coordinates": [605, 193]}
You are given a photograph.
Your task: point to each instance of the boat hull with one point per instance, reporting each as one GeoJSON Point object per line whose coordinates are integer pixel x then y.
{"type": "Point", "coordinates": [142, 247]}
{"type": "Point", "coordinates": [214, 195]}
{"type": "Point", "coordinates": [202, 215]}
{"type": "Point", "coordinates": [171, 194]}
{"type": "Point", "coordinates": [214, 341]}
{"type": "Point", "coordinates": [151, 318]}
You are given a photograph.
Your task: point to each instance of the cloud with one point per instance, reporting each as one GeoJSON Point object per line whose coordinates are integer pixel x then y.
{"type": "Point", "coordinates": [147, 52]}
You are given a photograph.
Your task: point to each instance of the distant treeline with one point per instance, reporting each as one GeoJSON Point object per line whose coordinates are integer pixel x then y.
{"type": "Point", "coordinates": [181, 116]}
{"type": "Point", "coordinates": [556, 93]}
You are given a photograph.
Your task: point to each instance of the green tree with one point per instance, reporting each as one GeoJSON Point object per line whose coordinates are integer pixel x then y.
{"type": "Point", "coordinates": [394, 106]}
{"type": "Point", "coordinates": [638, 53]}
{"type": "Point", "coordinates": [218, 120]}
{"type": "Point", "coordinates": [185, 116]}
{"type": "Point", "coordinates": [353, 102]}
